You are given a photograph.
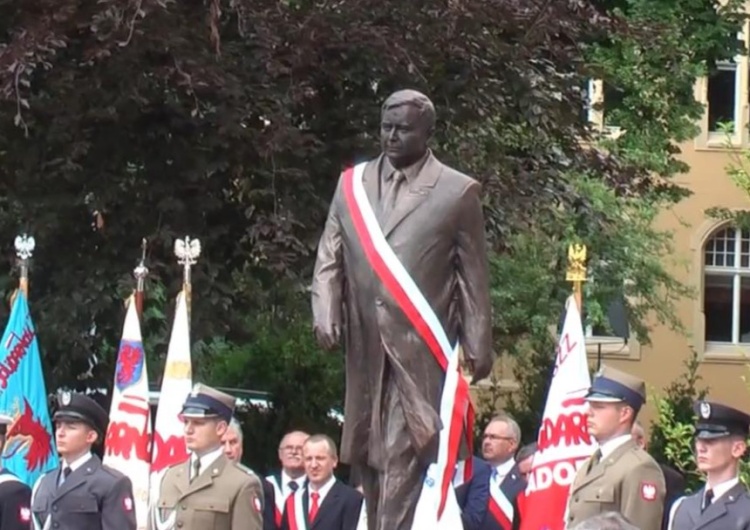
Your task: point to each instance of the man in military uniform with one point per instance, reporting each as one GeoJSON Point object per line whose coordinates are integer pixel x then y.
{"type": "Point", "coordinates": [619, 476]}
{"type": "Point", "coordinates": [208, 491]}
{"type": "Point", "coordinates": [723, 503]}
{"type": "Point", "coordinates": [15, 496]}
{"type": "Point", "coordinates": [82, 493]}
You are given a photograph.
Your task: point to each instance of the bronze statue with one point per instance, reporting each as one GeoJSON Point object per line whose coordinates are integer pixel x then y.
{"type": "Point", "coordinates": [431, 217]}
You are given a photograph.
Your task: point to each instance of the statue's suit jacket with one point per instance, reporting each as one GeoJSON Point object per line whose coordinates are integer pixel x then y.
{"type": "Point", "coordinates": [628, 481]}
{"type": "Point", "coordinates": [222, 497]}
{"type": "Point", "coordinates": [731, 511]}
{"type": "Point", "coordinates": [437, 231]}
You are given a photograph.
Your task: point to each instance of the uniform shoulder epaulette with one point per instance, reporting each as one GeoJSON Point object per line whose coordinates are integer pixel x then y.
{"type": "Point", "coordinates": [114, 472]}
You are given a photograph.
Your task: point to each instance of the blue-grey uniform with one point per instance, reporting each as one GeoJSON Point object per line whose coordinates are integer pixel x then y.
{"type": "Point", "coordinates": [724, 506]}
{"type": "Point", "coordinates": [83, 493]}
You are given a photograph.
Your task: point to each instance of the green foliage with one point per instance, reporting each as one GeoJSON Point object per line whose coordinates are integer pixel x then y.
{"type": "Point", "coordinates": [738, 170]}
{"type": "Point", "coordinates": [671, 438]}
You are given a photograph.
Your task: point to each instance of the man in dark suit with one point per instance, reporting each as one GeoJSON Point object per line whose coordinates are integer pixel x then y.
{"type": "Point", "coordinates": [232, 441]}
{"type": "Point", "coordinates": [723, 503]}
{"type": "Point", "coordinates": [324, 503]}
{"type": "Point", "coordinates": [82, 493]}
{"type": "Point", "coordinates": [498, 474]}
{"type": "Point", "coordinates": [429, 220]}
{"type": "Point", "coordinates": [674, 480]}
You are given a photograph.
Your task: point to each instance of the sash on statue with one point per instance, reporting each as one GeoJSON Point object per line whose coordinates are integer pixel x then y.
{"type": "Point", "coordinates": [405, 292]}
{"type": "Point", "coordinates": [278, 498]}
{"type": "Point", "coordinates": [296, 515]}
{"type": "Point", "coordinates": [499, 507]}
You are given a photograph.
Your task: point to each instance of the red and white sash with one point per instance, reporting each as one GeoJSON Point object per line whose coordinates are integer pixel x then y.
{"type": "Point", "coordinates": [278, 498]}
{"type": "Point", "coordinates": [499, 506]}
{"type": "Point", "coordinates": [402, 288]}
{"type": "Point", "coordinates": [295, 511]}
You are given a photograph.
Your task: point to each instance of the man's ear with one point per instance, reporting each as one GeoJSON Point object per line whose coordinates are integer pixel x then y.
{"type": "Point", "coordinates": [92, 436]}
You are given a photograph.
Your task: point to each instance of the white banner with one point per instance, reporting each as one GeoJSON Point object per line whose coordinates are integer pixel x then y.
{"type": "Point", "coordinates": [126, 446]}
{"type": "Point", "coordinates": [169, 438]}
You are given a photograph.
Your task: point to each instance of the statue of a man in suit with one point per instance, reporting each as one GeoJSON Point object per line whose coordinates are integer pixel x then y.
{"type": "Point", "coordinates": [429, 217]}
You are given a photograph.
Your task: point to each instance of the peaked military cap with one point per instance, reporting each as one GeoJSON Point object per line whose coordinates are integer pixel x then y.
{"type": "Point", "coordinates": [613, 386]}
{"type": "Point", "coordinates": [76, 407]}
{"type": "Point", "coordinates": [207, 402]}
{"type": "Point", "coordinates": [716, 420]}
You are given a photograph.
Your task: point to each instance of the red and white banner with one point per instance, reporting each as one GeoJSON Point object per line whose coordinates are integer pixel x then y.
{"type": "Point", "coordinates": [564, 441]}
{"type": "Point", "coordinates": [169, 438]}
{"type": "Point", "coordinates": [126, 446]}
{"type": "Point", "coordinates": [402, 288]}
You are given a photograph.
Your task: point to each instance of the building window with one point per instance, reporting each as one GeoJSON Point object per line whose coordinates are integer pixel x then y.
{"type": "Point", "coordinates": [726, 297]}
{"type": "Point", "coordinates": [723, 97]}
{"type": "Point", "coordinates": [614, 98]}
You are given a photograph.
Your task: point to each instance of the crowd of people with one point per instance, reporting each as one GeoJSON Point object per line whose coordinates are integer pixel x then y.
{"type": "Point", "coordinates": [620, 487]}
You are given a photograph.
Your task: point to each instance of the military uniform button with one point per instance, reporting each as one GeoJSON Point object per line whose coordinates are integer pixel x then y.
{"type": "Point", "coordinates": [179, 524]}
{"type": "Point", "coordinates": [54, 507]}
{"type": "Point", "coordinates": [184, 506]}
{"type": "Point", "coordinates": [379, 301]}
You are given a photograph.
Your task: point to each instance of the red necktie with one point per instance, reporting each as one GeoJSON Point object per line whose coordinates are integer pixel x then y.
{"type": "Point", "coordinates": [314, 508]}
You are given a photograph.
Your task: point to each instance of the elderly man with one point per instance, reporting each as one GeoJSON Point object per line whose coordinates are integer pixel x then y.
{"type": "Point", "coordinates": [291, 476]}
{"type": "Point", "coordinates": [233, 448]}
{"type": "Point", "coordinates": [403, 245]}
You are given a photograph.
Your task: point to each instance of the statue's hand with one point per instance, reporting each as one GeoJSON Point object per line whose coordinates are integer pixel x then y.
{"type": "Point", "coordinates": [328, 337]}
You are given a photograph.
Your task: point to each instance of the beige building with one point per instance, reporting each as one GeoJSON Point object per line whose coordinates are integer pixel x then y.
{"type": "Point", "coordinates": [715, 256]}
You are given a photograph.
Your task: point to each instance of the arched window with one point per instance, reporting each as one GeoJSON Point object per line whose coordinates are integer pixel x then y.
{"type": "Point", "coordinates": [726, 297]}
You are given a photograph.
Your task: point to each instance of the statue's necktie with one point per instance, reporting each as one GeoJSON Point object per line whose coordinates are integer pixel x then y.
{"type": "Point", "coordinates": [388, 203]}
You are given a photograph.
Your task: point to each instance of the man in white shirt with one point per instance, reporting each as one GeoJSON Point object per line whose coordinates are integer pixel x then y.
{"type": "Point", "coordinates": [82, 493]}
{"type": "Point", "coordinates": [720, 442]}
{"type": "Point", "coordinates": [324, 503]}
{"type": "Point", "coordinates": [291, 476]}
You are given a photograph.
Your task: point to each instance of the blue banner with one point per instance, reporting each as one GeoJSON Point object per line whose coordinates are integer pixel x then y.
{"type": "Point", "coordinates": [30, 443]}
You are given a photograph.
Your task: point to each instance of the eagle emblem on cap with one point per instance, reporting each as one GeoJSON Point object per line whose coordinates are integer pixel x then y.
{"type": "Point", "coordinates": [705, 410]}
{"type": "Point", "coordinates": [65, 398]}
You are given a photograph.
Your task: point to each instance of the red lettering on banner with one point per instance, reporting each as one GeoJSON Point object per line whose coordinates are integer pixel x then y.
{"type": "Point", "coordinates": [168, 452]}
{"type": "Point", "coordinates": [10, 364]}
{"type": "Point", "coordinates": [123, 437]}
{"type": "Point", "coordinates": [561, 473]}
{"type": "Point", "coordinates": [563, 353]}
{"type": "Point", "coordinates": [570, 429]}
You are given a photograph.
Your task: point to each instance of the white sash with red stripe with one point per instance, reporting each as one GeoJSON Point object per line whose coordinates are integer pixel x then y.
{"type": "Point", "coordinates": [295, 511]}
{"type": "Point", "coordinates": [402, 288]}
{"type": "Point", "coordinates": [278, 499]}
{"type": "Point", "coordinates": [499, 506]}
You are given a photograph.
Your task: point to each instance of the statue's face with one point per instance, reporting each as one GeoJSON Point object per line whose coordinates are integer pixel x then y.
{"type": "Point", "coordinates": [403, 135]}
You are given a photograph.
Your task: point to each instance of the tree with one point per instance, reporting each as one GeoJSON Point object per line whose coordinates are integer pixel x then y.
{"type": "Point", "coordinates": [230, 121]}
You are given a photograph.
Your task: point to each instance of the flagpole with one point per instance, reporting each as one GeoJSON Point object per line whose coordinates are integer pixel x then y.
{"type": "Point", "coordinates": [24, 249]}
{"type": "Point", "coordinates": [576, 272]}
{"type": "Point", "coordinates": [187, 251]}
{"type": "Point", "coordinates": [140, 273]}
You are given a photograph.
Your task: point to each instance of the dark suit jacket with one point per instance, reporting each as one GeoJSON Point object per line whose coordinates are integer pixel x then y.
{"type": "Point", "coordinates": [675, 489]}
{"type": "Point", "coordinates": [339, 510]}
{"type": "Point", "coordinates": [473, 496]}
{"type": "Point", "coordinates": [269, 506]}
{"type": "Point", "coordinates": [15, 504]}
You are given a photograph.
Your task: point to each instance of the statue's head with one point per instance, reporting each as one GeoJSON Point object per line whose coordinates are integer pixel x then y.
{"type": "Point", "coordinates": [406, 126]}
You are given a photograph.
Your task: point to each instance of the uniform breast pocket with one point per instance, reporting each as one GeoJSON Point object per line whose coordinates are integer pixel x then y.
{"type": "Point", "coordinates": [599, 494]}
{"type": "Point", "coordinates": [81, 507]}
{"type": "Point", "coordinates": [211, 513]}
